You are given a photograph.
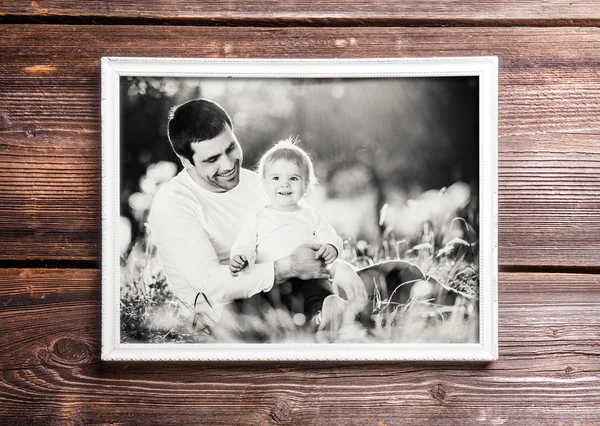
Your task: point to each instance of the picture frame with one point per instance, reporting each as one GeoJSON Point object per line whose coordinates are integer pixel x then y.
{"type": "Point", "coordinates": [484, 70]}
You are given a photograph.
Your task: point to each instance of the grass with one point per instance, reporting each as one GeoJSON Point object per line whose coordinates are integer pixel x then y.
{"type": "Point", "coordinates": [443, 312]}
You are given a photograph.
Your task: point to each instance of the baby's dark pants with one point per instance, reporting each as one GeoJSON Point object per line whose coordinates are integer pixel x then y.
{"type": "Point", "coordinates": [296, 296]}
{"type": "Point", "coordinates": [301, 296]}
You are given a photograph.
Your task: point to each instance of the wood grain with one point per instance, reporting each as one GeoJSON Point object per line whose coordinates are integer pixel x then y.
{"type": "Point", "coordinates": [354, 12]}
{"type": "Point", "coordinates": [549, 180]}
{"type": "Point", "coordinates": [549, 122]}
{"type": "Point", "coordinates": [49, 363]}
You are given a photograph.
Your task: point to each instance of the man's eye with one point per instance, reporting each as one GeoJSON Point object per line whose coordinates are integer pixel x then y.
{"type": "Point", "coordinates": [211, 160]}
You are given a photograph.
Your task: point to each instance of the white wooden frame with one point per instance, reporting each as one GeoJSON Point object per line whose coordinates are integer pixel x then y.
{"type": "Point", "coordinates": [486, 68]}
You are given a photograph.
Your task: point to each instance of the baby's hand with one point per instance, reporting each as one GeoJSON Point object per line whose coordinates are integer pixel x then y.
{"type": "Point", "coordinates": [237, 263]}
{"type": "Point", "coordinates": [327, 252]}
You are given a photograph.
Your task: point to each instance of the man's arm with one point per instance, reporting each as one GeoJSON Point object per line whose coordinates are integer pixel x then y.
{"type": "Point", "coordinates": [189, 259]}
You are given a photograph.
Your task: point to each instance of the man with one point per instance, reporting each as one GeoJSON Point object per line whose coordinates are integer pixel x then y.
{"type": "Point", "coordinates": [196, 217]}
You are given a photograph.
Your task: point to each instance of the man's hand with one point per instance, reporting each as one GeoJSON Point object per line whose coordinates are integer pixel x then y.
{"type": "Point", "coordinates": [237, 263]}
{"type": "Point", "coordinates": [327, 252]}
{"type": "Point", "coordinates": [344, 276]}
{"type": "Point", "coordinates": [302, 263]}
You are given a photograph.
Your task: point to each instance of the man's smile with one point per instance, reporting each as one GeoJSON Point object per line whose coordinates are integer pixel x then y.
{"type": "Point", "coordinates": [228, 174]}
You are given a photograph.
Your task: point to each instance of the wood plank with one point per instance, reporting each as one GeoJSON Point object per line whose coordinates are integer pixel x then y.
{"type": "Point", "coordinates": [548, 370]}
{"type": "Point", "coordinates": [548, 198]}
{"type": "Point", "coordinates": [354, 12]}
{"type": "Point", "coordinates": [549, 121]}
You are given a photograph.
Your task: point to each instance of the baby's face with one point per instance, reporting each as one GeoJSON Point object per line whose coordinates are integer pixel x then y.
{"type": "Point", "coordinates": [285, 183]}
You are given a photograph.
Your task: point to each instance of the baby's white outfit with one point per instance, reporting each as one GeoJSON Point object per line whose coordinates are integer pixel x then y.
{"type": "Point", "coordinates": [271, 234]}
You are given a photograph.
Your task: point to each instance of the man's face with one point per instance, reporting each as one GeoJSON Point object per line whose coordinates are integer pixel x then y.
{"type": "Point", "coordinates": [217, 162]}
{"type": "Point", "coordinates": [284, 183]}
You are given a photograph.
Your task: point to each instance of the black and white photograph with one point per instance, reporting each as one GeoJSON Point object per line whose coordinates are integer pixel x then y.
{"type": "Point", "coordinates": [299, 210]}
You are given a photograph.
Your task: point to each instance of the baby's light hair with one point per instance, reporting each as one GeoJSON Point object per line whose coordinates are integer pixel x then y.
{"type": "Point", "coordinates": [288, 149]}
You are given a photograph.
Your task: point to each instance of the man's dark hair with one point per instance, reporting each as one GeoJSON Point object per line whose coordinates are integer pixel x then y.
{"type": "Point", "coordinates": [195, 121]}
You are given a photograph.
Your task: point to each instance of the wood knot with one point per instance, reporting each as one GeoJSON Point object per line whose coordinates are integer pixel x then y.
{"type": "Point", "coordinates": [555, 332]}
{"type": "Point", "coordinates": [70, 351]}
{"type": "Point", "coordinates": [4, 121]}
{"type": "Point", "coordinates": [281, 411]}
{"type": "Point", "coordinates": [569, 370]}
{"type": "Point", "coordinates": [438, 393]}
{"type": "Point", "coordinates": [43, 355]}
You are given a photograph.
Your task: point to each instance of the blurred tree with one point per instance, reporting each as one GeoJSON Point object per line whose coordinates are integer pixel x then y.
{"type": "Point", "coordinates": [410, 134]}
{"type": "Point", "coordinates": [145, 104]}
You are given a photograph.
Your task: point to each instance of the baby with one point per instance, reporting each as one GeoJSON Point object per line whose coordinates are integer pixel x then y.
{"type": "Point", "coordinates": [287, 222]}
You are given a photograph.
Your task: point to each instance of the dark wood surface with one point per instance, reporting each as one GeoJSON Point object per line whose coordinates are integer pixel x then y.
{"type": "Point", "coordinates": [303, 12]}
{"type": "Point", "coordinates": [549, 221]}
{"type": "Point", "coordinates": [549, 100]}
{"type": "Point", "coordinates": [548, 369]}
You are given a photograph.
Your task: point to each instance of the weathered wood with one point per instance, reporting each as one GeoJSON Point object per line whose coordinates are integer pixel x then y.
{"type": "Point", "coordinates": [548, 370]}
{"type": "Point", "coordinates": [355, 12]}
{"type": "Point", "coordinates": [548, 199]}
{"type": "Point", "coordinates": [549, 121]}
{"type": "Point", "coordinates": [549, 157]}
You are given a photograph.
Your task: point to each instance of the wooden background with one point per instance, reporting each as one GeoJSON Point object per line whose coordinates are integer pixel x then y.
{"type": "Point", "coordinates": [549, 214]}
